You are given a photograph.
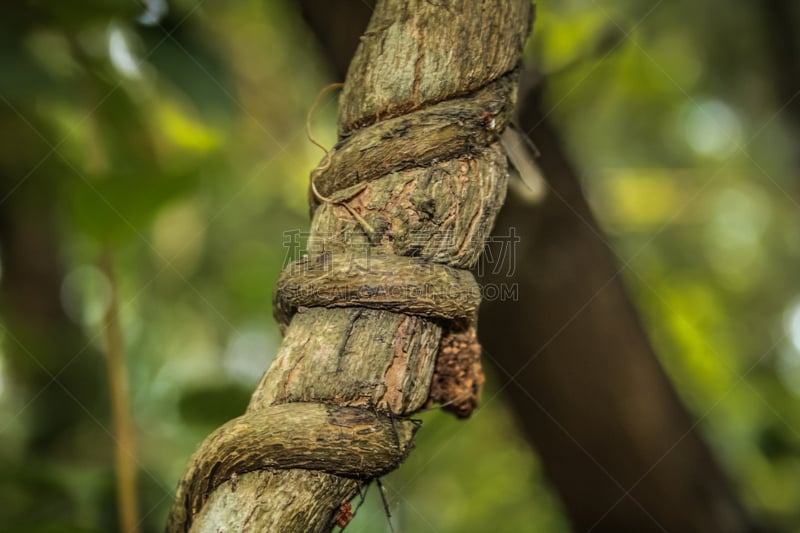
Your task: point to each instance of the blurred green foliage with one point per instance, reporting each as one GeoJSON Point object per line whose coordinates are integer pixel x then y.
{"type": "Point", "coordinates": [179, 145]}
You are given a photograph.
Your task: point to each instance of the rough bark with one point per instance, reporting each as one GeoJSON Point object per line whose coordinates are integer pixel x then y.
{"type": "Point", "coordinates": [598, 381]}
{"type": "Point", "coordinates": [434, 203]}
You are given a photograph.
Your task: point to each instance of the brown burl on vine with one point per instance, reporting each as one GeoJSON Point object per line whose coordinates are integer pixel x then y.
{"type": "Point", "coordinates": [458, 377]}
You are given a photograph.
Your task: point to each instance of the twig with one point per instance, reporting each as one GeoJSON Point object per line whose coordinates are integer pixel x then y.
{"type": "Point", "coordinates": [385, 503]}
{"type": "Point", "coordinates": [124, 434]}
{"type": "Point", "coordinates": [322, 198]}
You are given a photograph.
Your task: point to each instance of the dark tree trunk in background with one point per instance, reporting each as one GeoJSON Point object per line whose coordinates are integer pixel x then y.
{"type": "Point", "coordinates": [589, 390]}
{"type": "Point", "coordinates": [30, 296]}
{"type": "Point", "coordinates": [590, 393]}
{"type": "Point", "coordinates": [780, 19]}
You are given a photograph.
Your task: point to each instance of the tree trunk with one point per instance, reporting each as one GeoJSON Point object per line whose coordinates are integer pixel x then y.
{"type": "Point", "coordinates": [614, 438]}
{"type": "Point", "coordinates": [402, 205]}
{"type": "Point", "coordinates": [779, 27]}
{"type": "Point", "coordinates": [55, 372]}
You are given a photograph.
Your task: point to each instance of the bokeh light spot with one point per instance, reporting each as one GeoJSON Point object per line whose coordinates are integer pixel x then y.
{"type": "Point", "coordinates": [86, 295]}
{"type": "Point", "coordinates": [711, 128]}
